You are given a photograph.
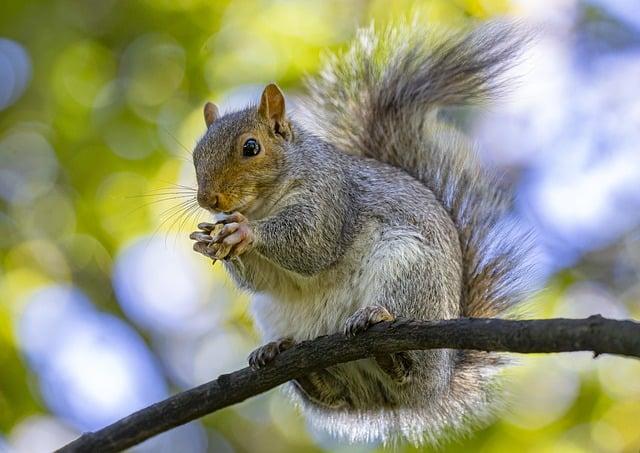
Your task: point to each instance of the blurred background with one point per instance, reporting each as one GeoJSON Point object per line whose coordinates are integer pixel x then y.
{"type": "Point", "coordinates": [104, 308]}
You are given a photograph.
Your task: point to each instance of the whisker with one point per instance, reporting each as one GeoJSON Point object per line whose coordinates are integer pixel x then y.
{"type": "Point", "coordinates": [176, 208]}
{"type": "Point", "coordinates": [183, 158]}
{"type": "Point", "coordinates": [164, 192]}
{"type": "Point", "coordinates": [153, 202]}
{"type": "Point", "coordinates": [181, 215]}
{"type": "Point", "coordinates": [177, 218]}
{"type": "Point", "coordinates": [182, 186]}
{"type": "Point", "coordinates": [169, 214]}
{"type": "Point", "coordinates": [165, 196]}
{"type": "Point", "coordinates": [176, 140]}
{"type": "Point", "coordinates": [172, 190]}
{"type": "Point", "coordinates": [188, 214]}
{"type": "Point", "coordinates": [179, 212]}
{"type": "Point", "coordinates": [172, 187]}
{"type": "Point", "coordinates": [194, 216]}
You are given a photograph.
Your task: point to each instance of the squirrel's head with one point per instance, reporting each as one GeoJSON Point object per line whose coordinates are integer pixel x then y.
{"type": "Point", "coordinates": [241, 156]}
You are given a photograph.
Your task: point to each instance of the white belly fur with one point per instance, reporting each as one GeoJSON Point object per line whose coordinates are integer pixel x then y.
{"type": "Point", "coordinates": [304, 308]}
{"type": "Point", "coordinates": [319, 313]}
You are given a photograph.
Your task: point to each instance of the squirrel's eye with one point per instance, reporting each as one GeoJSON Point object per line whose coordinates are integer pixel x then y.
{"type": "Point", "coordinates": [250, 148]}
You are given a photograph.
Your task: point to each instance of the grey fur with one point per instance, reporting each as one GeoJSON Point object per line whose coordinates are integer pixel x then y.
{"type": "Point", "coordinates": [377, 202]}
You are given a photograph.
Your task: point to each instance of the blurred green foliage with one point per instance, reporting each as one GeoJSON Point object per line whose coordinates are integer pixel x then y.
{"type": "Point", "coordinates": [111, 110]}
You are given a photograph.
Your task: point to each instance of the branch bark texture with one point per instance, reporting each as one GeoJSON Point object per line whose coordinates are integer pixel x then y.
{"type": "Point", "coordinates": [595, 334]}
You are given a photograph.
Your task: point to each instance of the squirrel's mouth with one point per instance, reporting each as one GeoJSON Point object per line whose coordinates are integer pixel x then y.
{"type": "Point", "coordinates": [242, 206]}
{"type": "Point", "coordinates": [227, 204]}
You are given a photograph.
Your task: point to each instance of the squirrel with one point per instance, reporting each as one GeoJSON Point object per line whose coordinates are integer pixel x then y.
{"type": "Point", "coordinates": [372, 208]}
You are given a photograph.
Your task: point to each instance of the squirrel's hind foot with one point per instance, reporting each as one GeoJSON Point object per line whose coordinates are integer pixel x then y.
{"type": "Point", "coordinates": [366, 317]}
{"type": "Point", "coordinates": [397, 366]}
{"type": "Point", "coordinates": [323, 389]}
{"type": "Point", "coordinates": [266, 353]}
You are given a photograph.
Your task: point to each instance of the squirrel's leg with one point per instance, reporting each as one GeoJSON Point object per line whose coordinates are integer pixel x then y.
{"type": "Point", "coordinates": [267, 352]}
{"type": "Point", "coordinates": [323, 389]}
{"type": "Point", "coordinates": [398, 365]}
{"type": "Point", "coordinates": [365, 317]}
{"type": "Point", "coordinates": [319, 387]}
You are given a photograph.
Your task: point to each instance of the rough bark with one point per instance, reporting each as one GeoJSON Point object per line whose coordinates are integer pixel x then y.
{"type": "Point", "coordinates": [595, 334]}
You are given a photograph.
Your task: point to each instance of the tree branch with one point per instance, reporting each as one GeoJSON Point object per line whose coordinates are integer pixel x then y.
{"type": "Point", "coordinates": [595, 334]}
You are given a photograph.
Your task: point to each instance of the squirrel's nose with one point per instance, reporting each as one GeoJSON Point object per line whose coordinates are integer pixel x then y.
{"type": "Point", "coordinates": [208, 201]}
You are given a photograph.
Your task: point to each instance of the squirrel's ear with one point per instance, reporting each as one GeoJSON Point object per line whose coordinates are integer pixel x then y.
{"type": "Point", "coordinates": [272, 110]}
{"type": "Point", "coordinates": [210, 113]}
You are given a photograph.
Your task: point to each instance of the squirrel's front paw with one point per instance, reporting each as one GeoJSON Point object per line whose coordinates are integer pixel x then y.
{"type": "Point", "coordinates": [204, 240]}
{"type": "Point", "coordinates": [230, 236]}
{"type": "Point", "coordinates": [365, 317]}
{"type": "Point", "coordinates": [266, 353]}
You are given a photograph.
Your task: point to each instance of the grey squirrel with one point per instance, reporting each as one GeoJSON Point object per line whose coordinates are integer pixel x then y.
{"type": "Point", "coordinates": [374, 208]}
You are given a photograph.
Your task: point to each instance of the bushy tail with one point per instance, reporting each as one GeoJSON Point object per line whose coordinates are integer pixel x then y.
{"type": "Point", "coordinates": [381, 99]}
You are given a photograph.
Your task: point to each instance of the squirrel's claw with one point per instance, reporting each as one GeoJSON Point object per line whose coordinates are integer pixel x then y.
{"type": "Point", "coordinates": [230, 236]}
{"type": "Point", "coordinates": [203, 248]}
{"type": "Point", "coordinates": [226, 230]}
{"type": "Point", "coordinates": [365, 317]}
{"type": "Point", "coordinates": [266, 353]}
{"type": "Point", "coordinates": [221, 219]}
{"type": "Point", "coordinates": [199, 236]}
{"type": "Point", "coordinates": [397, 366]}
{"type": "Point", "coordinates": [235, 238]}
{"type": "Point", "coordinates": [206, 227]}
